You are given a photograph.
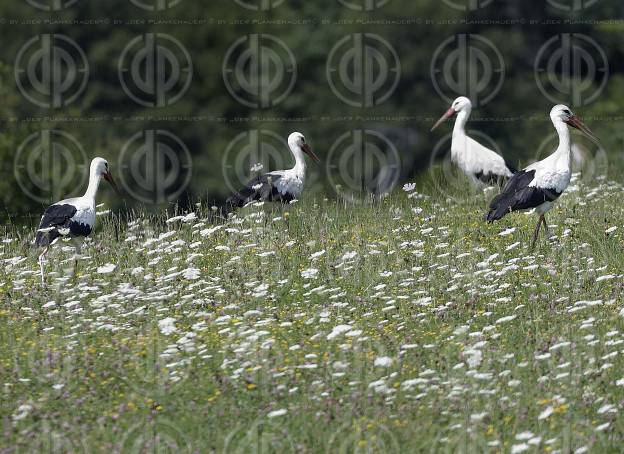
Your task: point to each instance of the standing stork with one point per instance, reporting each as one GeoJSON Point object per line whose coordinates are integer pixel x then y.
{"type": "Point", "coordinates": [279, 185]}
{"type": "Point", "coordinates": [540, 184]}
{"type": "Point", "coordinates": [479, 163]}
{"type": "Point", "coordinates": [73, 217]}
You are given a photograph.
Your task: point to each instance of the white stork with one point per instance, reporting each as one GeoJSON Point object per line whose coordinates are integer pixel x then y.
{"type": "Point", "coordinates": [73, 217]}
{"type": "Point", "coordinates": [279, 185]}
{"type": "Point", "coordinates": [540, 184]}
{"type": "Point", "coordinates": [479, 163]}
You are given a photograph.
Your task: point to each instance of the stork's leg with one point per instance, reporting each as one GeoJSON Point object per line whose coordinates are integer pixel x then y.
{"type": "Point", "coordinates": [41, 261]}
{"type": "Point", "coordinates": [537, 229]}
{"type": "Point", "coordinates": [78, 245]}
{"type": "Point", "coordinates": [546, 230]}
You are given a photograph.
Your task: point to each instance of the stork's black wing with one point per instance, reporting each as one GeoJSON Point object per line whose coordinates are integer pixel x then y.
{"type": "Point", "coordinates": [54, 217]}
{"type": "Point", "coordinates": [518, 195]}
{"type": "Point", "coordinates": [260, 188]}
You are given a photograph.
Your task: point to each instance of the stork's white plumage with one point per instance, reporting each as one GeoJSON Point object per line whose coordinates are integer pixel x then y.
{"type": "Point", "coordinates": [540, 184]}
{"type": "Point", "coordinates": [73, 217]}
{"type": "Point", "coordinates": [279, 185]}
{"type": "Point", "coordinates": [479, 163]}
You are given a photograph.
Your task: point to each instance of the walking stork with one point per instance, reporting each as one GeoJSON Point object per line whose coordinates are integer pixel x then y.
{"type": "Point", "coordinates": [479, 163]}
{"type": "Point", "coordinates": [73, 217]}
{"type": "Point", "coordinates": [279, 185]}
{"type": "Point", "coordinates": [540, 184]}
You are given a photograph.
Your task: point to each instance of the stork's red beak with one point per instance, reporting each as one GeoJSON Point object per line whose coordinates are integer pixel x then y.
{"type": "Point", "coordinates": [307, 150]}
{"type": "Point", "coordinates": [448, 114]}
{"type": "Point", "coordinates": [109, 177]}
{"type": "Point", "coordinates": [576, 123]}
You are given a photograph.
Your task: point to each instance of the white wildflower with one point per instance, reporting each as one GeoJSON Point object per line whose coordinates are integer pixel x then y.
{"type": "Point", "coordinates": [106, 269]}
{"type": "Point", "coordinates": [507, 231]}
{"type": "Point", "coordinates": [167, 326]}
{"type": "Point", "coordinates": [22, 412]}
{"type": "Point", "coordinates": [338, 330]}
{"type": "Point", "coordinates": [276, 413]}
{"type": "Point", "coordinates": [546, 413]}
{"type": "Point", "coordinates": [383, 361]}
{"type": "Point", "coordinates": [191, 274]}
{"type": "Point", "coordinates": [517, 449]}
{"type": "Point", "coordinates": [310, 273]}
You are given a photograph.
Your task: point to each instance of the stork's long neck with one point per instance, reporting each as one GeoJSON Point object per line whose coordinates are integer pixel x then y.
{"type": "Point", "coordinates": [459, 130]}
{"type": "Point", "coordinates": [564, 150]}
{"type": "Point", "coordinates": [94, 182]}
{"type": "Point", "coordinates": [300, 164]}
{"type": "Point", "coordinates": [460, 123]}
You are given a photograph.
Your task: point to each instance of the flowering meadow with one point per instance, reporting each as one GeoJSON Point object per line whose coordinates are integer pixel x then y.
{"type": "Point", "coordinates": [405, 324]}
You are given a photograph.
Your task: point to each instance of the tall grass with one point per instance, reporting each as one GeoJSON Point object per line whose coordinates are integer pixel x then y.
{"type": "Point", "coordinates": [403, 324]}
